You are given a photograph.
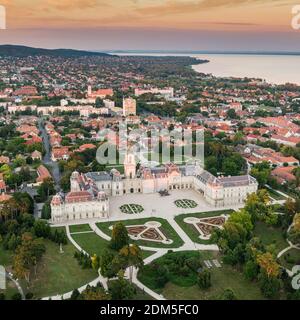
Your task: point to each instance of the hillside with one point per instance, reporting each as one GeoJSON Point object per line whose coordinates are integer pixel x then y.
{"type": "Point", "coordinates": [23, 51]}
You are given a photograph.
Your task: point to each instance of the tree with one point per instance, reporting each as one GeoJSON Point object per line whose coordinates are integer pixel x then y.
{"type": "Point", "coordinates": [121, 289]}
{"type": "Point", "coordinates": [251, 270]}
{"type": "Point", "coordinates": [106, 260]}
{"type": "Point", "coordinates": [99, 103]}
{"type": "Point", "coordinates": [257, 204]}
{"type": "Point", "coordinates": [46, 211]}
{"type": "Point", "coordinates": [294, 234]}
{"type": "Point", "coordinates": [238, 138]}
{"type": "Point", "coordinates": [132, 255]}
{"type": "Point", "coordinates": [16, 296]}
{"type": "Point", "coordinates": [42, 229]}
{"type": "Point", "coordinates": [229, 167]}
{"type": "Point", "coordinates": [27, 256]}
{"type": "Point", "coordinates": [231, 114]}
{"type": "Point", "coordinates": [162, 277]}
{"type": "Point", "coordinates": [270, 286]}
{"type": "Point", "coordinates": [291, 206]}
{"type": "Point", "coordinates": [242, 217]}
{"type": "Point", "coordinates": [46, 189]}
{"type": "Point", "coordinates": [75, 295]}
{"type": "Point", "coordinates": [95, 293]}
{"type": "Point", "coordinates": [268, 264]}
{"type": "Point", "coordinates": [119, 237]}
{"type": "Point", "coordinates": [204, 279]}
{"type": "Point", "coordinates": [95, 262]}
{"type": "Point", "coordinates": [261, 172]}
{"type": "Point", "coordinates": [228, 294]}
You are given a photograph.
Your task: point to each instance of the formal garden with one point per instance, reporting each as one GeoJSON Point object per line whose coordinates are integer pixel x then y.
{"type": "Point", "coordinates": [159, 233]}
{"type": "Point", "coordinates": [149, 231]}
{"type": "Point", "coordinates": [199, 225]}
{"type": "Point", "coordinates": [186, 204]}
{"type": "Point", "coordinates": [131, 208]}
{"type": "Point", "coordinates": [91, 243]}
{"type": "Point", "coordinates": [77, 228]}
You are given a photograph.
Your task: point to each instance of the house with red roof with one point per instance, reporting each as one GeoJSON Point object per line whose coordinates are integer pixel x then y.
{"type": "Point", "coordinates": [43, 174]}
{"type": "Point", "coordinates": [86, 146]}
{"type": "Point", "coordinates": [2, 186]}
{"type": "Point", "coordinates": [60, 153]}
{"type": "Point", "coordinates": [284, 174]}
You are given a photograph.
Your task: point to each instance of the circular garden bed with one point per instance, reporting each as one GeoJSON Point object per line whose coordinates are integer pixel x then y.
{"type": "Point", "coordinates": [131, 208]}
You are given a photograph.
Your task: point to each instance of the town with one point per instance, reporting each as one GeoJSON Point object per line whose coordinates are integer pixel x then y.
{"type": "Point", "coordinates": [74, 228]}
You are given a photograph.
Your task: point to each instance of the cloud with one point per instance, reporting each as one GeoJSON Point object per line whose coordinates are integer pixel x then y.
{"type": "Point", "coordinates": [74, 4]}
{"type": "Point", "coordinates": [173, 7]}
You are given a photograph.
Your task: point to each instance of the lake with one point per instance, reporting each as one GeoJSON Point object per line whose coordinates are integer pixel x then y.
{"type": "Point", "coordinates": [277, 69]}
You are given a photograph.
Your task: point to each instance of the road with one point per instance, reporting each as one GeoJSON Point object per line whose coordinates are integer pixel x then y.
{"type": "Point", "coordinates": [47, 158]}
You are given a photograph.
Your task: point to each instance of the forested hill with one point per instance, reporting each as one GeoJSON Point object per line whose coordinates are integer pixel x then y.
{"type": "Point", "coordinates": [23, 51]}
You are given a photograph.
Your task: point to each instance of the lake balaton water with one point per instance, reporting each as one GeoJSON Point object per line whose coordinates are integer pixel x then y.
{"type": "Point", "coordinates": [277, 69]}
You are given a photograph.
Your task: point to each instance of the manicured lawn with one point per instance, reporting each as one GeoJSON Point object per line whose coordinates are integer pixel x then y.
{"type": "Point", "coordinates": [80, 228]}
{"type": "Point", "coordinates": [270, 235]}
{"type": "Point", "coordinates": [93, 244]}
{"type": "Point", "coordinates": [222, 278]}
{"type": "Point", "coordinates": [190, 230]}
{"type": "Point", "coordinates": [5, 257]}
{"type": "Point", "coordinates": [167, 229]}
{"type": "Point", "coordinates": [59, 273]}
{"type": "Point", "coordinates": [290, 259]}
{"type": "Point", "coordinates": [275, 195]}
{"type": "Point", "coordinates": [10, 290]}
{"type": "Point", "coordinates": [141, 295]}
{"type": "Point", "coordinates": [147, 253]}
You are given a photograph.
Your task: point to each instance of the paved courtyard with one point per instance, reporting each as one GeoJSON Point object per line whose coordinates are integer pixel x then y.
{"type": "Point", "coordinates": [157, 206]}
{"type": "Point", "coordinates": [154, 206]}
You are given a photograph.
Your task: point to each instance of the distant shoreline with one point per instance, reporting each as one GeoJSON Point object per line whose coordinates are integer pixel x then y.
{"type": "Point", "coordinates": [252, 53]}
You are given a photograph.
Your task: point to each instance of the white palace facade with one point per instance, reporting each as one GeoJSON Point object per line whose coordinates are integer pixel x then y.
{"type": "Point", "coordinates": [91, 192]}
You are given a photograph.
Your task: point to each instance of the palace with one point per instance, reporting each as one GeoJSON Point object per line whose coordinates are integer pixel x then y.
{"type": "Point", "coordinates": [90, 192]}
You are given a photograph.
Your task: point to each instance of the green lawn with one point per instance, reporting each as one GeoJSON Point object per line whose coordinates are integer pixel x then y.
{"type": "Point", "coordinates": [80, 228]}
{"type": "Point", "coordinates": [5, 257]}
{"type": "Point", "coordinates": [270, 236]}
{"type": "Point", "coordinates": [142, 295]}
{"type": "Point", "coordinates": [93, 244]}
{"type": "Point", "coordinates": [190, 230]}
{"type": "Point", "coordinates": [222, 278]}
{"type": "Point", "coordinates": [59, 273]}
{"type": "Point", "coordinates": [169, 232]}
{"type": "Point", "coordinates": [147, 253]}
{"type": "Point", "coordinates": [10, 290]}
{"type": "Point", "coordinates": [290, 259]}
{"type": "Point", "coordinates": [275, 195]}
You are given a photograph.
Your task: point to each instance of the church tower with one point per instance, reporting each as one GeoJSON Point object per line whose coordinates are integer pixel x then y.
{"type": "Point", "coordinates": [89, 90]}
{"type": "Point", "coordinates": [130, 166]}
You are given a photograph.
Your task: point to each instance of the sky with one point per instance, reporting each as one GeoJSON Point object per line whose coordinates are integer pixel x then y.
{"type": "Point", "coordinates": [221, 25]}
